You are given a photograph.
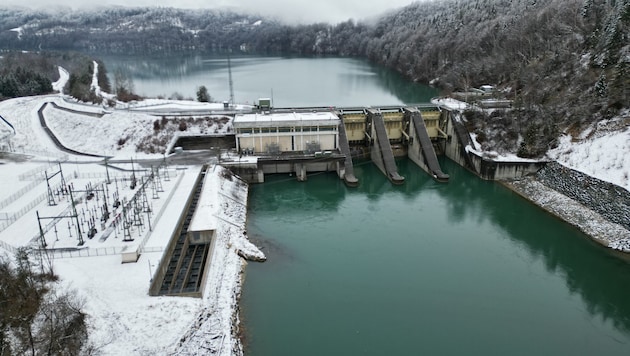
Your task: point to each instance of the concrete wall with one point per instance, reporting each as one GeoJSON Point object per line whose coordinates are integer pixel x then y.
{"type": "Point", "coordinates": [432, 122]}
{"type": "Point", "coordinates": [485, 168]}
{"type": "Point", "coordinates": [393, 125]}
{"type": "Point", "coordinates": [275, 168]}
{"type": "Point", "coordinates": [158, 277]}
{"type": "Point", "coordinates": [453, 148]}
{"type": "Point", "coordinates": [248, 174]}
{"type": "Point", "coordinates": [489, 169]}
{"type": "Point", "coordinates": [355, 131]}
{"type": "Point", "coordinates": [609, 200]}
{"type": "Point", "coordinates": [414, 150]}
{"type": "Point", "coordinates": [377, 157]}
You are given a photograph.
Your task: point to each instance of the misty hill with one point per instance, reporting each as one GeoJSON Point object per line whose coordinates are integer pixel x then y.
{"type": "Point", "coordinates": [563, 62]}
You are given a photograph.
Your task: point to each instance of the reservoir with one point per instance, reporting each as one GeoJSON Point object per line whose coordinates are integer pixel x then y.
{"type": "Point", "coordinates": [291, 82]}
{"type": "Point", "coordinates": [464, 268]}
{"type": "Point", "coordinates": [424, 268]}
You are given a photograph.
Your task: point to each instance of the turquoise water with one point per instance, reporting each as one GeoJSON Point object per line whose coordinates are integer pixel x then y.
{"type": "Point", "coordinates": [290, 81]}
{"type": "Point", "coordinates": [464, 268]}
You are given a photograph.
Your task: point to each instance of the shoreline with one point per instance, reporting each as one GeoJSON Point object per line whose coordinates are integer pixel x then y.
{"type": "Point", "coordinates": [589, 222]}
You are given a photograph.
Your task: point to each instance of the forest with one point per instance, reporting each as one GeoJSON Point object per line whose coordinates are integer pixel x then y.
{"type": "Point", "coordinates": [563, 62]}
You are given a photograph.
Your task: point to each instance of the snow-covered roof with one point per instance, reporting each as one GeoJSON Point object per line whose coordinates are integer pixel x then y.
{"type": "Point", "coordinates": [450, 103]}
{"type": "Point", "coordinates": [286, 119]}
{"type": "Point", "coordinates": [204, 216]}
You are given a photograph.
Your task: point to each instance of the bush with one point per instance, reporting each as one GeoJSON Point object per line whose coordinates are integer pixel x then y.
{"type": "Point", "coordinates": [481, 136]}
{"type": "Point", "coordinates": [182, 126]}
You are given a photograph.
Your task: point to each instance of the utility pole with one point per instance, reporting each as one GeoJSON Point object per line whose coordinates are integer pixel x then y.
{"type": "Point", "coordinates": [107, 171]}
{"type": "Point", "coordinates": [230, 78]}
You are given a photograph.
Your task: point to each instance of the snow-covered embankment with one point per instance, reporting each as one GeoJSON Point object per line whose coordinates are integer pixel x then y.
{"type": "Point", "coordinates": [215, 331]}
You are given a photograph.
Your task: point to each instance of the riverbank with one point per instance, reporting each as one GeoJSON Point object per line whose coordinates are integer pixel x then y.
{"type": "Point", "coordinates": [588, 221]}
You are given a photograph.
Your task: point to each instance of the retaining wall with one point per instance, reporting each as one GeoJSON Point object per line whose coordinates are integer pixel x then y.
{"type": "Point", "coordinates": [609, 200]}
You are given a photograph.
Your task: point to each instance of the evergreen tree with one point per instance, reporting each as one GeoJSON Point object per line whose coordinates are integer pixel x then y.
{"type": "Point", "coordinates": [203, 95]}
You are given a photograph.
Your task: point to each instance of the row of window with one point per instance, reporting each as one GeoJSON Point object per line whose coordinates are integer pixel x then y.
{"type": "Point", "coordinates": [253, 130]}
{"type": "Point", "coordinates": [349, 127]}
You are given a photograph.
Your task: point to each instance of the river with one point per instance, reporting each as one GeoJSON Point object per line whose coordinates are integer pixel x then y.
{"type": "Point", "coordinates": [463, 268]}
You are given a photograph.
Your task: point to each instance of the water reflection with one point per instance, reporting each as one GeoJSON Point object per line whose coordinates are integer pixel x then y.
{"type": "Point", "coordinates": [295, 81]}
{"type": "Point", "coordinates": [466, 260]}
{"type": "Point", "coordinates": [600, 278]}
{"type": "Point", "coordinates": [318, 195]}
{"type": "Point", "coordinates": [407, 92]}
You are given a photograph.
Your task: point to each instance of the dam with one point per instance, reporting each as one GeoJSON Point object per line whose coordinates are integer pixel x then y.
{"type": "Point", "coordinates": [298, 141]}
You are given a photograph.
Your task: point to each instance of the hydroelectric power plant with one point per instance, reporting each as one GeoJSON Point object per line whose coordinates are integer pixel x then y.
{"type": "Point", "coordinates": [318, 139]}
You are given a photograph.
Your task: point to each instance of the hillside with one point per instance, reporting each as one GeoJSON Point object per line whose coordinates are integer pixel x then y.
{"type": "Point", "coordinates": [564, 63]}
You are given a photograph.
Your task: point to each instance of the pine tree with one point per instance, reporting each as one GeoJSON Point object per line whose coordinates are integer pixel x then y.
{"type": "Point", "coordinates": [203, 95]}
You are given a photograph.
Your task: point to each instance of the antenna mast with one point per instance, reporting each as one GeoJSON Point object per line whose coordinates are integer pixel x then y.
{"type": "Point", "coordinates": [231, 82]}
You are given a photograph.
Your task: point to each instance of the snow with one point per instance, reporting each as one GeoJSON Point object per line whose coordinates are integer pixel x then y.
{"type": "Point", "coordinates": [600, 153]}
{"type": "Point", "coordinates": [120, 132]}
{"type": "Point", "coordinates": [494, 155]}
{"type": "Point", "coordinates": [123, 319]}
{"type": "Point", "coordinates": [160, 105]}
{"type": "Point", "coordinates": [5, 132]}
{"type": "Point", "coordinates": [19, 31]}
{"type": "Point", "coordinates": [61, 82]}
{"type": "Point", "coordinates": [450, 103]}
{"type": "Point", "coordinates": [301, 118]}
{"type": "Point", "coordinates": [94, 85]}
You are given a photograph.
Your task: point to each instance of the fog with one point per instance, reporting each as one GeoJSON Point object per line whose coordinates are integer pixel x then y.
{"type": "Point", "coordinates": [293, 11]}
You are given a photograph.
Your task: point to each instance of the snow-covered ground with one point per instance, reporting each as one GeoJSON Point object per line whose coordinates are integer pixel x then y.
{"type": "Point", "coordinates": [123, 319]}
{"type": "Point", "coordinates": [63, 79]}
{"type": "Point", "coordinates": [602, 151]}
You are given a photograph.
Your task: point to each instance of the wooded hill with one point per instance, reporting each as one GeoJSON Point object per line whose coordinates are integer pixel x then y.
{"type": "Point", "coordinates": [564, 62]}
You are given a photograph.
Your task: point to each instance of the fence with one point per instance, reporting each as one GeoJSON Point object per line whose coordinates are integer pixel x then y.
{"type": "Point", "coordinates": [108, 251]}
{"type": "Point", "coordinates": [10, 218]}
{"type": "Point", "coordinates": [87, 252]}
{"type": "Point", "coordinates": [13, 197]}
{"type": "Point", "coordinates": [18, 214]}
{"type": "Point", "coordinates": [7, 247]}
{"type": "Point", "coordinates": [52, 154]}
{"type": "Point", "coordinates": [141, 248]}
{"type": "Point", "coordinates": [36, 172]}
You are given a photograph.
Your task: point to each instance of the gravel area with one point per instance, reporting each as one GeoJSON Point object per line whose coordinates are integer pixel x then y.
{"type": "Point", "coordinates": [588, 221]}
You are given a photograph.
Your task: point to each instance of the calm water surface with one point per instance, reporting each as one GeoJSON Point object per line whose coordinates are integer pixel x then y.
{"type": "Point", "coordinates": [290, 81]}
{"type": "Point", "coordinates": [464, 268]}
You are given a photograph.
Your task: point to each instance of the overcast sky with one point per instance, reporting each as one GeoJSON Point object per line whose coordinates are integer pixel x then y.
{"type": "Point", "coordinates": [309, 11]}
